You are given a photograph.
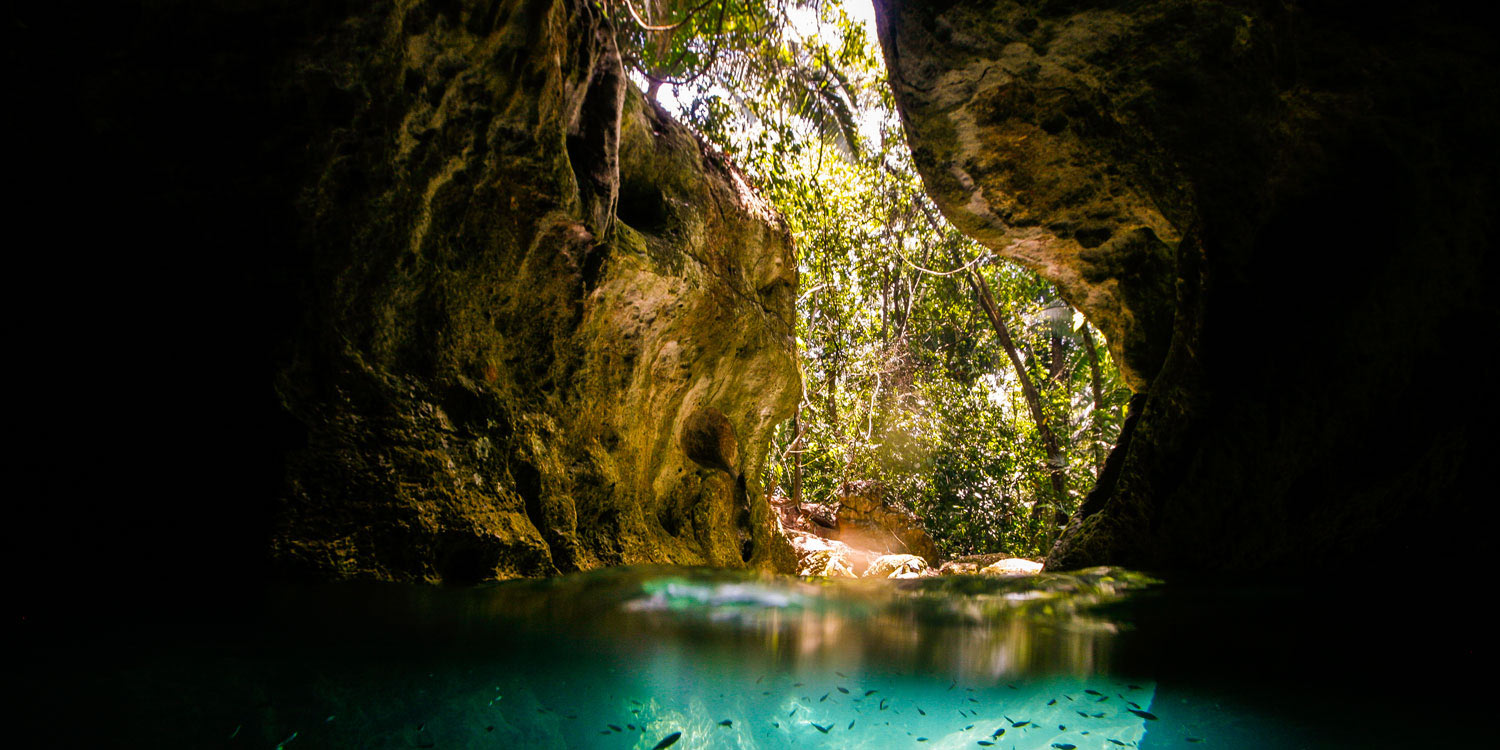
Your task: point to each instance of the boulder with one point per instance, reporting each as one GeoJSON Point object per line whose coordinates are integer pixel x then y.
{"type": "Point", "coordinates": [1011, 566]}
{"type": "Point", "coordinates": [817, 556]}
{"type": "Point", "coordinates": [868, 518]}
{"type": "Point", "coordinates": [899, 566]}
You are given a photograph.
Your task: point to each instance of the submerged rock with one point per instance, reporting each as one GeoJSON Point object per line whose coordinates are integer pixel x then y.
{"type": "Point", "coordinates": [1281, 218]}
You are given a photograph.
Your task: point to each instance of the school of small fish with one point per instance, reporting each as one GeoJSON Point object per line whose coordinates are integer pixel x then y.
{"type": "Point", "coordinates": [876, 705]}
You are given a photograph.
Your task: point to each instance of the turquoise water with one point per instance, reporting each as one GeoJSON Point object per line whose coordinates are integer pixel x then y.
{"type": "Point", "coordinates": [632, 658]}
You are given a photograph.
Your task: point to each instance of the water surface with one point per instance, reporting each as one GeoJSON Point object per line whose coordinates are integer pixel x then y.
{"type": "Point", "coordinates": [627, 658]}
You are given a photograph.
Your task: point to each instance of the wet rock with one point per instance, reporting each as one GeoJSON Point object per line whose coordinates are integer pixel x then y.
{"type": "Point", "coordinates": [1280, 217]}
{"type": "Point", "coordinates": [899, 566]}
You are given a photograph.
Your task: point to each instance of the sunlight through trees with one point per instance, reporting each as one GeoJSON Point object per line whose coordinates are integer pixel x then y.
{"type": "Point", "coordinates": [962, 384]}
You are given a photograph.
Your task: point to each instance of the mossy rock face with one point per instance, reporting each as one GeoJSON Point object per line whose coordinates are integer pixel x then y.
{"type": "Point", "coordinates": [527, 289]}
{"type": "Point", "coordinates": [1280, 217]}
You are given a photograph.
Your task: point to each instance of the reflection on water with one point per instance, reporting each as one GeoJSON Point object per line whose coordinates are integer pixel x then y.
{"type": "Point", "coordinates": [632, 658]}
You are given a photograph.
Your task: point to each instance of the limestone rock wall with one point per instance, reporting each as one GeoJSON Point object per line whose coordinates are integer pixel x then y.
{"type": "Point", "coordinates": [1279, 214]}
{"type": "Point", "coordinates": [545, 329]}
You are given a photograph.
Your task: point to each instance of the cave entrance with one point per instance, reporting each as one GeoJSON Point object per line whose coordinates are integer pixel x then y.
{"type": "Point", "coordinates": [953, 403]}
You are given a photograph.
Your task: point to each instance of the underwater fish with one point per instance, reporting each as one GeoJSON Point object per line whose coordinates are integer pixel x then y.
{"type": "Point", "coordinates": [921, 739]}
{"type": "Point", "coordinates": [794, 710]}
{"type": "Point", "coordinates": [953, 685]}
{"type": "Point", "coordinates": [1117, 742]}
{"type": "Point", "coordinates": [1064, 746]}
{"type": "Point", "coordinates": [967, 728]}
{"type": "Point", "coordinates": [1012, 687]}
{"type": "Point", "coordinates": [998, 732]}
{"type": "Point", "coordinates": [776, 724]}
{"type": "Point", "coordinates": [986, 743]}
{"type": "Point", "coordinates": [1080, 713]}
{"type": "Point", "coordinates": [843, 690]}
{"type": "Point", "coordinates": [1099, 715]}
{"type": "Point", "coordinates": [1062, 728]}
{"type": "Point", "coordinates": [668, 741]}
{"type": "Point", "coordinates": [1092, 691]}
{"type": "Point", "coordinates": [869, 693]}
{"type": "Point", "coordinates": [1052, 702]}
{"type": "Point", "coordinates": [972, 700]}
{"type": "Point", "coordinates": [490, 728]}
{"type": "Point", "coordinates": [1147, 715]}
{"type": "Point", "coordinates": [283, 742]}
{"type": "Point", "coordinates": [851, 725]}
{"type": "Point", "coordinates": [821, 728]}
{"type": "Point", "coordinates": [841, 674]}
{"type": "Point", "coordinates": [1133, 687]}
{"type": "Point", "coordinates": [758, 679]}
{"type": "Point", "coordinates": [824, 698]}
{"type": "Point", "coordinates": [1133, 704]}
{"type": "Point", "coordinates": [797, 684]}
{"type": "Point", "coordinates": [631, 727]}
{"type": "Point", "coordinates": [1102, 699]}
{"type": "Point", "coordinates": [1018, 724]}
{"type": "Point", "coordinates": [882, 704]}
{"type": "Point", "coordinates": [920, 711]}
{"type": "Point", "coordinates": [1193, 739]}
{"type": "Point", "coordinates": [726, 723]}
{"type": "Point", "coordinates": [615, 727]}
{"type": "Point", "coordinates": [636, 702]}
{"type": "Point", "coordinates": [236, 731]}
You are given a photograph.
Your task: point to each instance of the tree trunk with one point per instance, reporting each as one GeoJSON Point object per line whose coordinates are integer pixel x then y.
{"type": "Point", "coordinates": [797, 458]}
{"type": "Point", "coordinates": [1096, 380]}
{"type": "Point", "coordinates": [1055, 458]}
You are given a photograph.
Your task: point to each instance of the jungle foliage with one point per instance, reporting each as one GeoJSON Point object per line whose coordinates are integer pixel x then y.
{"type": "Point", "coordinates": [909, 380]}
